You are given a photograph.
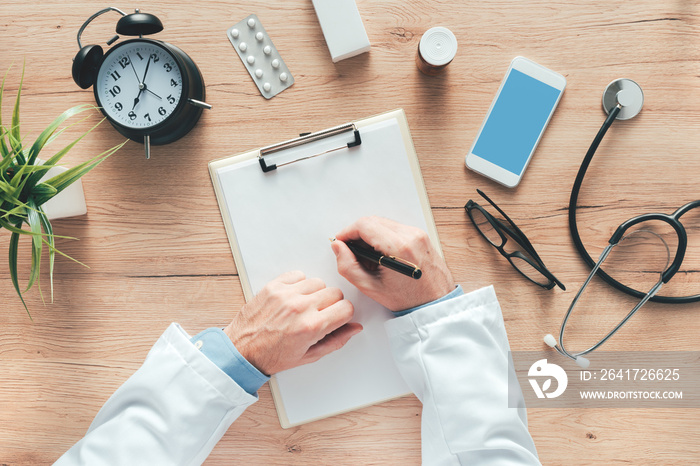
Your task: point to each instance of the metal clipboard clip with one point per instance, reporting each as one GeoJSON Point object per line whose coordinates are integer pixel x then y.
{"type": "Point", "coordinates": [304, 139]}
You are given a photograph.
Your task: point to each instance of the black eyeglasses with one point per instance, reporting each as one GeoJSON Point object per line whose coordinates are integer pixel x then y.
{"type": "Point", "coordinates": [524, 258]}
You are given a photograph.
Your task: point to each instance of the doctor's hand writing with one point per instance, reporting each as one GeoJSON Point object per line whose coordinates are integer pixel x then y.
{"type": "Point", "coordinates": [292, 321]}
{"type": "Point", "coordinates": [393, 290]}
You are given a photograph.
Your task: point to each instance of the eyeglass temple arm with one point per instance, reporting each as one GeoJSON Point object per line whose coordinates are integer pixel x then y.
{"type": "Point", "coordinates": [508, 219]}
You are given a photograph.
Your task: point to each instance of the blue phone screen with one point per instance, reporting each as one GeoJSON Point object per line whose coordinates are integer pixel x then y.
{"type": "Point", "coordinates": [516, 121]}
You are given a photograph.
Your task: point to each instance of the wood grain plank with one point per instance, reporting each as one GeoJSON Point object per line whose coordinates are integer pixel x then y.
{"type": "Point", "coordinates": [157, 250]}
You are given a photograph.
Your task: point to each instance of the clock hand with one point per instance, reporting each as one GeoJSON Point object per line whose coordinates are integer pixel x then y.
{"type": "Point", "coordinates": [148, 63]}
{"type": "Point", "coordinates": [136, 100]}
{"type": "Point", "coordinates": [131, 62]}
{"type": "Point", "coordinates": [159, 97]}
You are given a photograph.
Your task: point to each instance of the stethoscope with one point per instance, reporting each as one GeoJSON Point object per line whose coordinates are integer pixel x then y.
{"type": "Point", "coordinates": [622, 100]}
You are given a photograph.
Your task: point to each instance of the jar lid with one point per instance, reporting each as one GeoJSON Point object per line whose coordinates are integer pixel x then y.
{"type": "Point", "coordinates": [438, 46]}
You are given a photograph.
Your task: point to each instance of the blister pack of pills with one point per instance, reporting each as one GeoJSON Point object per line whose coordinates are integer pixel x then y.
{"type": "Point", "coordinates": [260, 56]}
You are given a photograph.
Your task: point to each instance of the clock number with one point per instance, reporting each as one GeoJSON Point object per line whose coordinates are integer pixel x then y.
{"type": "Point", "coordinates": [124, 61]}
{"type": "Point", "coordinates": [161, 111]}
{"type": "Point", "coordinates": [118, 106]}
{"type": "Point", "coordinates": [115, 90]}
{"type": "Point", "coordinates": [115, 75]}
{"type": "Point", "coordinates": [132, 115]}
{"type": "Point", "coordinates": [173, 83]}
{"type": "Point", "coordinates": [168, 67]}
{"type": "Point", "coordinates": [139, 55]}
{"type": "Point", "coordinates": [171, 99]}
{"type": "Point", "coordinates": [155, 58]}
{"type": "Point", "coordinates": [147, 117]}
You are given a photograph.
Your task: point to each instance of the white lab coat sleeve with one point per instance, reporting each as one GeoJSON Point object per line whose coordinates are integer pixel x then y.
{"type": "Point", "coordinates": [454, 356]}
{"type": "Point", "coordinates": [172, 411]}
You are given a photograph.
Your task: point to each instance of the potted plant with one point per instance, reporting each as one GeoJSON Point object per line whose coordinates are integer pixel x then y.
{"type": "Point", "coordinates": [24, 189]}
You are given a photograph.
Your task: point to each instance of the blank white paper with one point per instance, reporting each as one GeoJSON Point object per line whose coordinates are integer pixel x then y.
{"type": "Point", "coordinates": [283, 221]}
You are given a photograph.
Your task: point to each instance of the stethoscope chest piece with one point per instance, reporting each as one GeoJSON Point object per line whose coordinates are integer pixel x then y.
{"type": "Point", "coordinates": [628, 94]}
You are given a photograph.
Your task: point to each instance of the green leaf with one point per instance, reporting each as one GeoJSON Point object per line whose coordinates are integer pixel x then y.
{"type": "Point", "coordinates": [17, 212]}
{"type": "Point", "coordinates": [7, 153]}
{"type": "Point", "coordinates": [19, 231]}
{"type": "Point", "coordinates": [14, 243]}
{"type": "Point", "coordinates": [64, 254]}
{"type": "Point", "coordinates": [42, 193]}
{"type": "Point", "coordinates": [53, 160]}
{"type": "Point", "coordinates": [3, 147]}
{"type": "Point", "coordinates": [48, 229]}
{"type": "Point", "coordinates": [51, 129]}
{"type": "Point", "coordinates": [9, 193]}
{"type": "Point", "coordinates": [16, 146]}
{"type": "Point", "coordinates": [29, 176]}
{"type": "Point", "coordinates": [14, 131]}
{"type": "Point", "coordinates": [35, 225]}
{"type": "Point", "coordinates": [43, 189]}
{"type": "Point", "coordinates": [65, 179]}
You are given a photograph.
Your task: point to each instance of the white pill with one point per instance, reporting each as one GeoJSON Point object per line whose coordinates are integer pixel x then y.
{"type": "Point", "coordinates": [235, 33]}
{"type": "Point", "coordinates": [250, 59]}
{"type": "Point", "coordinates": [267, 50]}
{"type": "Point", "coordinates": [283, 77]}
{"type": "Point", "coordinates": [243, 46]}
{"type": "Point", "coordinates": [251, 23]}
{"type": "Point", "coordinates": [259, 36]}
{"type": "Point", "coordinates": [275, 63]}
{"type": "Point", "coordinates": [267, 87]}
{"type": "Point", "coordinates": [258, 73]}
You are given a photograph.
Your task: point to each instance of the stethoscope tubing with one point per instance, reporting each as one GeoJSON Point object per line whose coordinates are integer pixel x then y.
{"type": "Point", "coordinates": [671, 220]}
{"type": "Point", "coordinates": [561, 348]}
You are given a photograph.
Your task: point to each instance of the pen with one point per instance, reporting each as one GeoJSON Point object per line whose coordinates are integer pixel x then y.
{"type": "Point", "coordinates": [390, 262]}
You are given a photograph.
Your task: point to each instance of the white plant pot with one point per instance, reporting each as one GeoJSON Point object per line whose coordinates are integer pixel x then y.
{"type": "Point", "coordinates": [68, 203]}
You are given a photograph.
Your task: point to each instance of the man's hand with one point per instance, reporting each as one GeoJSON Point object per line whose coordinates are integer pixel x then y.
{"type": "Point", "coordinates": [391, 289]}
{"type": "Point", "coordinates": [292, 321]}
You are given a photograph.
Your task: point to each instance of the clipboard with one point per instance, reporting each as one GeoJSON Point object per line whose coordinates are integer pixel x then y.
{"type": "Point", "coordinates": [300, 192]}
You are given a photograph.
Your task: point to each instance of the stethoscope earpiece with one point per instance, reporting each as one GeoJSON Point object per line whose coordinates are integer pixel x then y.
{"type": "Point", "coordinates": [582, 362]}
{"type": "Point", "coordinates": [626, 93]}
{"type": "Point", "coordinates": [550, 340]}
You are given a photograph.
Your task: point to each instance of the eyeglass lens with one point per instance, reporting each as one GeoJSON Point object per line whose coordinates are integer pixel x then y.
{"type": "Point", "coordinates": [510, 245]}
{"type": "Point", "coordinates": [486, 228]}
{"type": "Point", "coordinates": [529, 270]}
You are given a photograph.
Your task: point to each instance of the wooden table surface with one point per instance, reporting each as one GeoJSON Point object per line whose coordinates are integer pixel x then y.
{"type": "Point", "coordinates": [157, 251]}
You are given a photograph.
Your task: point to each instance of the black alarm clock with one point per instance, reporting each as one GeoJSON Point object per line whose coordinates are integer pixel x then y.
{"type": "Point", "coordinates": [150, 91]}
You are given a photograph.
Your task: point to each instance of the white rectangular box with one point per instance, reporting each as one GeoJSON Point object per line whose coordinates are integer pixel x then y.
{"type": "Point", "coordinates": [342, 27]}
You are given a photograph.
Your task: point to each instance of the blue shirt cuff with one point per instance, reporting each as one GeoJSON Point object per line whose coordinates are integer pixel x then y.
{"type": "Point", "coordinates": [452, 294]}
{"type": "Point", "coordinates": [219, 348]}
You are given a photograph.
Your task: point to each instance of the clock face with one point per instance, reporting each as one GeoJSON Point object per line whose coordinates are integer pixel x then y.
{"type": "Point", "coordinates": [139, 84]}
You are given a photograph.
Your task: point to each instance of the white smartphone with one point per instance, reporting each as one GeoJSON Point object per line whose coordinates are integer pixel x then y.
{"type": "Point", "coordinates": [515, 122]}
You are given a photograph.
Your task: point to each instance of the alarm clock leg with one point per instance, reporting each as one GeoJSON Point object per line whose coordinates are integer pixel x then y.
{"type": "Point", "coordinates": [199, 103]}
{"type": "Point", "coordinates": [147, 145]}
